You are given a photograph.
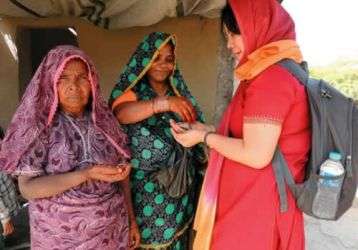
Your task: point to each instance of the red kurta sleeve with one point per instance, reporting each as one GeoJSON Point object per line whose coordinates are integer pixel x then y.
{"type": "Point", "coordinates": [270, 96]}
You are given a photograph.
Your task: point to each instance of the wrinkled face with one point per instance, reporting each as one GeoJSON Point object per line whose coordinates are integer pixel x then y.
{"type": "Point", "coordinates": [74, 88]}
{"type": "Point", "coordinates": [235, 44]}
{"type": "Point", "coordinates": [163, 65]}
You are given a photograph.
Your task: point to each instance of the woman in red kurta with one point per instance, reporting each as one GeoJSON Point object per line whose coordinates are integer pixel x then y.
{"type": "Point", "coordinates": [239, 203]}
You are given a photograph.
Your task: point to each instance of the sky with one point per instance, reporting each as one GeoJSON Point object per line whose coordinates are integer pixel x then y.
{"type": "Point", "coordinates": [327, 30]}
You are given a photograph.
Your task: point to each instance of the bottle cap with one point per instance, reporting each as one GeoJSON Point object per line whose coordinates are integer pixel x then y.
{"type": "Point", "coordinates": [335, 156]}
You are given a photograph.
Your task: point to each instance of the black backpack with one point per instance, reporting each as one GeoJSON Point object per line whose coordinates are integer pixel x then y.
{"type": "Point", "coordinates": [334, 124]}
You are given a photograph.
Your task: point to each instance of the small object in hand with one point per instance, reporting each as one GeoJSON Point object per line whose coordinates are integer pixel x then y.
{"type": "Point", "coordinates": [180, 127]}
{"type": "Point", "coordinates": [185, 126]}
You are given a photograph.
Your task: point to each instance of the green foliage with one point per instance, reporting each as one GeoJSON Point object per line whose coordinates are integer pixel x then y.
{"type": "Point", "coordinates": [342, 75]}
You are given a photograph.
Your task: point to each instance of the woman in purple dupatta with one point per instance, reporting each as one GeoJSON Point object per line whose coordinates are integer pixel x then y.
{"type": "Point", "coordinates": [71, 159]}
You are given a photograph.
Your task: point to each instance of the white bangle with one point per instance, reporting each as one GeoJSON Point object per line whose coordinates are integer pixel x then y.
{"type": "Point", "coordinates": [205, 140]}
{"type": "Point", "coordinates": [160, 104]}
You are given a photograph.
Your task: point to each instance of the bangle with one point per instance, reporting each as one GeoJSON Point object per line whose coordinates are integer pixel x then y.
{"type": "Point", "coordinates": [160, 104]}
{"type": "Point", "coordinates": [206, 137]}
{"type": "Point", "coordinates": [152, 102]}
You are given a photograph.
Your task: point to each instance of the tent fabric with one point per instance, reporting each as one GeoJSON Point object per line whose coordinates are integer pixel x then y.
{"type": "Point", "coordinates": [112, 14]}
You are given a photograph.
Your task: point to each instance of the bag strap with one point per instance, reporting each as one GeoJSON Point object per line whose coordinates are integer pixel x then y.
{"type": "Point", "coordinates": [280, 167]}
{"type": "Point", "coordinates": [350, 135]}
{"type": "Point", "coordinates": [282, 176]}
{"type": "Point", "coordinates": [299, 71]}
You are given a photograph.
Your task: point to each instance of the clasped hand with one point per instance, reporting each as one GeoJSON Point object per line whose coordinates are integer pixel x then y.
{"type": "Point", "coordinates": [189, 134]}
{"type": "Point", "coordinates": [107, 173]}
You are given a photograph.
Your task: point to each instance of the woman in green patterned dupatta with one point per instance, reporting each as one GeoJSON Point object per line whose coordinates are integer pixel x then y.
{"type": "Point", "coordinates": [149, 93]}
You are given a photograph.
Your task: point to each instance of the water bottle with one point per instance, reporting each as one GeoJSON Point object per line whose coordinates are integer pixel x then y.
{"type": "Point", "coordinates": [332, 167]}
{"type": "Point", "coordinates": [331, 176]}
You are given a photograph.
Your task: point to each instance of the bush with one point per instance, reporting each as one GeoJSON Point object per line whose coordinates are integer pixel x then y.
{"type": "Point", "coordinates": [342, 75]}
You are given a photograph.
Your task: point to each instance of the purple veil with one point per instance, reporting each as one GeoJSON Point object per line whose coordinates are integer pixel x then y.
{"type": "Point", "coordinates": [39, 104]}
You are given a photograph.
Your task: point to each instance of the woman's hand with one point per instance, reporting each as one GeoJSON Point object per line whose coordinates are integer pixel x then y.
{"type": "Point", "coordinates": [181, 127]}
{"type": "Point", "coordinates": [187, 137]}
{"type": "Point", "coordinates": [183, 107]}
{"type": "Point", "coordinates": [202, 126]}
{"type": "Point", "coordinates": [8, 228]}
{"type": "Point", "coordinates": [134, 235]}
{"type": "Point", "coordinates": [50, 185]}
{"type": "Point", "coordinates": [107, 173]}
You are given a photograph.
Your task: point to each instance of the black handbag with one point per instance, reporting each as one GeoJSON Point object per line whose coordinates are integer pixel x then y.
{"type": "Point", "coordinates": [176, 178]}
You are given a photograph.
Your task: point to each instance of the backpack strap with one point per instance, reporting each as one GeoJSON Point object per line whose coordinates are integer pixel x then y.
{"type": "Point", "coordinates": [280, 181]}
{"type": "Point", "coordinates": [350, 135]}
{"type": "Point", "coordinates": [299, 71]}
{"type": "Point", "coordinates": [280, 167]}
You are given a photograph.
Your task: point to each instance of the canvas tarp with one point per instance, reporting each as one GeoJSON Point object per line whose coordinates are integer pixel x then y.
{"type": "Point", "coordinates": [112, 14]}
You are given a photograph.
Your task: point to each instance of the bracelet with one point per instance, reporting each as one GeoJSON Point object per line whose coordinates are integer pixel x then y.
{"type": "Point", "coordinates": [160, 104]}
{"type": "Point", "coordinates": [152, 105]}
{"type": "Point", "coordinates": [206, 137]}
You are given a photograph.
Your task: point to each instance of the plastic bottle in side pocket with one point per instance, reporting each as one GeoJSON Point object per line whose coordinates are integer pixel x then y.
{"type": "Point", "coordinates": [329, 187]}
